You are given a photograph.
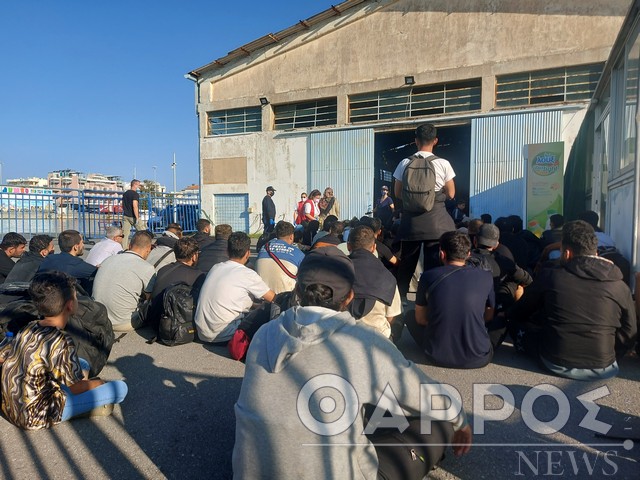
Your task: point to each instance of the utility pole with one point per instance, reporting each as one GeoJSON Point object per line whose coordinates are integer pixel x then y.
{"type": "Point", "coordinates": [173, 166]}
{"type": "Point", "coordinates": [155, 180]}
{"type": "Point", "coordinates": [135, 172]}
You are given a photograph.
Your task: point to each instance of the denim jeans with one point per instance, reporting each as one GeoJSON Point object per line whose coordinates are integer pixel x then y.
{"type": "Point", "coordinates": [110, 392]}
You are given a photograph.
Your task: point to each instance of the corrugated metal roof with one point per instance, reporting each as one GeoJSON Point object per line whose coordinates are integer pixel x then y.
{"type": "Point", "coordinates": [274, 38]}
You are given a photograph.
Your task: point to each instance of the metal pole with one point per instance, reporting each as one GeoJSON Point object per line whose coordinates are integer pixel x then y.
{"type": "Point", "coordinates": [1, 165]}
{"type": "Point", "coordinates": [155, 180]}
{"type": "Point", "coordinates": [173, 166]}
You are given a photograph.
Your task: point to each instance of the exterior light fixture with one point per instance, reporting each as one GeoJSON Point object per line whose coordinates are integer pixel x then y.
{"type": "Point", "coordinates": [409, 80]}
{"type": "Point", "coordinates": [264, 101]}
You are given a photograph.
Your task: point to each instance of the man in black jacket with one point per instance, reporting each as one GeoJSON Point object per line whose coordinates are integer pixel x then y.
{"type": "Point", "coordinates": [25, 269]}
{"type": "Point", "coordinates": [215, 252]}
{"type": "Point", "coordinates": [577, 317]}
{"type": "Point", "coordinates": [269, 210]}
{"type": "Point", "coordinates": [12, 246]}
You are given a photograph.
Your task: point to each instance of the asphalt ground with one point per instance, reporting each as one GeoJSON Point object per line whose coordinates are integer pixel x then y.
{"type": "Point", "coordinates": [178, 421]}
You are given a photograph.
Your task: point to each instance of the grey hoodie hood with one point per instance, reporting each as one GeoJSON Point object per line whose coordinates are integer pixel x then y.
{"type": "Point", "coordinates": [592, 267]}
{"type": "Point", "coordinates": [299, 328]}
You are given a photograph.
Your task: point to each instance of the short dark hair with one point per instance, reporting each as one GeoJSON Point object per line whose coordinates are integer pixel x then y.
{"type": "Point", "coordinates": [39, 243]}
{"type": "Point", "coordinates": [486, 218]}
{"type": "Point", "coordinates": [174, 226]}
{"type": "Point", "coordinates": [426, 133]}
{"type": "Point", "coordinates": [67, 240]}
{"type": "Point", "coordinates": [202, 224]}
{"type": "Point", "coordinates": [12, 239]}
{"type": "Point", "coordinates": [557, 220]}
{"type": "Point", "coordinates": [503, 224]}
{"type": "Point", "coordinates": [50, 291]}
{"type": "Point", "coordinates": [222, 231]}
{"type": "Point", "coordinates": [135, 180]}
{"type": "Point", "coordinates": [337, 229]}
{"type": "Point", "coordinates": [239, 245]}
{"type": "Point", "coordinates": [580, 237]}
{"type": "Point", "coordinates": [185, 248]}
{"type": "Point", "coordinates": [455, 245]}
{"type": "Point", "coordinates": [328, 222]}
{"type": "Point", "coordinates": [284, 229]}
{"type": "Point", "coordinates": [515, 222]}
{"type": "Point", "coordinates": [361, 237]}
{"type": "Point", "coordinates": [318, 295]}
{"type": "Point", "coordinates": [591, 218]}
{"type": "Point", "coordinates": [141, 239]}
{"type": "Point", "coordinates": [374, 224]}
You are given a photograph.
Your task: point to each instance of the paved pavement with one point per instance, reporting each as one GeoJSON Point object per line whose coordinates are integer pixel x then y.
{"type": "Point", "coordinates": [178, 422]}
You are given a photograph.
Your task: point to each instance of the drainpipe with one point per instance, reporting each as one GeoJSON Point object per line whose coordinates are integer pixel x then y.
{"type": "Point", "coordinates": [194, 77]}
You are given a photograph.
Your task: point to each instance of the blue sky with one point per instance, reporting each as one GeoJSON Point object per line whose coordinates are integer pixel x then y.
{"type": "Point", "coordinates": [100, 87]}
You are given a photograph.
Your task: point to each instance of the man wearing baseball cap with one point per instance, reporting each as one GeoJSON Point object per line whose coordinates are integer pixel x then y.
{"type": "Point", "coordinates": [310, 372]}
{"type": "Point", "coordinates": [269, 210]}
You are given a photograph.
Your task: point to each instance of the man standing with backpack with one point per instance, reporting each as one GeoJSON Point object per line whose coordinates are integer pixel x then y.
{"type": "Point", "coordinates": [423, 182]}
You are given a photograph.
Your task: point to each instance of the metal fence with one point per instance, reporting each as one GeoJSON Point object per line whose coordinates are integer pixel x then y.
{"type": "Point", "coordinates": [32, 211]}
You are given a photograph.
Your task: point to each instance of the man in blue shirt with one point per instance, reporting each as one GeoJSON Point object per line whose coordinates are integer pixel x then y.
{"type": "Point", "coordinates": [452, 305]}
{"type": "Point", "coordinates": [278, 260]}
{"type": "Point", "coordinates": [69, 260]}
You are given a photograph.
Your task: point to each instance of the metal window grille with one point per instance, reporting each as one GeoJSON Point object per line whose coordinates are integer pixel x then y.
{"type": "Point", "coordinates": [558, 85]}
{"type": "Point", "coordinates": [238, 120]}
{"type": "Point", "coordinates": [315, 113]}
{"type": "Point", "coordinates": [418, 101]}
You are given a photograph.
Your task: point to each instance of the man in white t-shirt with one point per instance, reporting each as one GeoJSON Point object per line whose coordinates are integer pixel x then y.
{"type": "Point", "coordinates": [111, 245]}
{"type": "Point", "coordinates": [423, 230]}
{"type": "Point", "coordinates": [228, 293]}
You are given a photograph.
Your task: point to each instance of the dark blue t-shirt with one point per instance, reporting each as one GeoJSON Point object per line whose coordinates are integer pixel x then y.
{"type": "Point", "coordinates": [456, 335]}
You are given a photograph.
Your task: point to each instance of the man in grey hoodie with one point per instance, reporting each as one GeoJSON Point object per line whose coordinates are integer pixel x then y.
{"type": "Point", "coordinates": [309, 375]}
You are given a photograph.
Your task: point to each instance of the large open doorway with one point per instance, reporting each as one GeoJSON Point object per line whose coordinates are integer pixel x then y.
{"type": "Point", "coordinates": [454, 144]}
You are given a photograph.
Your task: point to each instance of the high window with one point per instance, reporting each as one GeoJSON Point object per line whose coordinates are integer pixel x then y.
{"type": "Point", "coordinates": [237, 120]}
{"type": "Point", "coordinates": [566, 84]}
{"type": "Point", "coordinates": [314, 113]}
{"type": "Point", "coordinates": [419, 101]}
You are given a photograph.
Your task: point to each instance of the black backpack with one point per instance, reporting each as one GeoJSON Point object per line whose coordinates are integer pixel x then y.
{"type": "Point", "coordinates": [178, 309]}
{"type": "Point", "coordinates": [90, 328]}
{"type": "Point", "coordinates": [419, 184]}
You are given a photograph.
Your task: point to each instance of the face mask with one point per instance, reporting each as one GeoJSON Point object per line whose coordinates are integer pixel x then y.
{"type": "Point", "coordinates": [316, 200]}
{"type": "Point", "coordinates": [384, 192]}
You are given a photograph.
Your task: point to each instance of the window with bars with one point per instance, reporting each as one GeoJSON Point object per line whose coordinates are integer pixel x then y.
{"type": "Point", "coordinates": [238, 120]}
{"type": "Point", "coordinates": [315, 113]}
{"type": "Point", "coordinates": [566, 84]}
{"type": "Point", "coordinates": [416, 101]}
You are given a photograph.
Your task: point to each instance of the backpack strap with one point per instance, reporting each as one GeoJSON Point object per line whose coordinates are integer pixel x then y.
{"type": "Point", "coordinates": [159, 261]}
{"type": "Point", "coordinates": [441, 278]}
{"type": "Point", "coordinates": [277, 260]}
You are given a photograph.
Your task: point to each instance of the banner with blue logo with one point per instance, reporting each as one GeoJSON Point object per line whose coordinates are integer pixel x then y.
{"type": "Point", "coordinates": [545, 183]}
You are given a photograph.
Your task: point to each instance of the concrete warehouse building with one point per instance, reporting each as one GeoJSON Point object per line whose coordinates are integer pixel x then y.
{"type": "Point", "coordinates": [334, 100]}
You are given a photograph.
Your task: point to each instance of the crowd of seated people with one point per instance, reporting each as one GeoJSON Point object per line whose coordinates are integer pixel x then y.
{"type": "Point", "coordinates": [493, 282]}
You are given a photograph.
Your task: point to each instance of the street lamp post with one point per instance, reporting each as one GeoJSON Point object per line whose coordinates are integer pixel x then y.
{"type": "Point", "coordinates": [155, 180]}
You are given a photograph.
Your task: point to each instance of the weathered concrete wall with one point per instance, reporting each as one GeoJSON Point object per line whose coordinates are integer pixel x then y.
{"type": "Point", "coordinates": [273, 159]}
{"type": "Point", "coordinates": [436, 41]}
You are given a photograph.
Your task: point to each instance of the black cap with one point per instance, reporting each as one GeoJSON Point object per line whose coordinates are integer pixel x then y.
{"type": "Point", "coordinates": [330, 267]}
{"type": "Point", "coordinates": [270, 189]}
{"type": "Point", "coordinates": [489, 235]}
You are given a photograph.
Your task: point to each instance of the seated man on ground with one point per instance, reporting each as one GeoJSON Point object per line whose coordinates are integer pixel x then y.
{"type": "Point", "coordinates": [509, 279]}
{"type": "Point", "coordinates": [377, 299]}
{"type": "Point", "coordinates": [203, 235]}
{"type": "Point", "coordinates": [319, 344]}
{"type": "Point", "coordinates": [70, 261]}
{"type": "Point", "coordinates": [384, 253]}
{"type": "Point", "coordinates": [183, 271]}
{"type": "Point", "coordinates": [229, 292]}
{"type": "Point", "coordinates": [577, 317]}
{"type": "Point", "coordinates": [12, 246]}
{"type": "Point", "coordinates": [216, 252]}
{"type": "Point", "coordinates": [124, 282]}
{"type": "Point", "coordinates": [110, 245]}
{"type": "Point", "coordinates": [333, 238]}
{"type": "Point", "coordinates": [43, 380]}
{"type": "Point", "coordinates": [162, 252]}
{"type": "Point", "coordinates": [326, 226]}
{"type": "Point", "coordinates": [278, 261]}
{"type": "Point", "coordinates": [39, 247]}
{"type": "Point", "coordinates": [452, 305]}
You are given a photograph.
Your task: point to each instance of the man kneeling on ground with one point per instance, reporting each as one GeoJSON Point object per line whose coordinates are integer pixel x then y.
{"type": "Point", "coordinates": [43, 380]}
{"type": "Point", "coordinates": [453, 304]}
{"type": "Point", "coordinates": [315, 361]}
{"type": "Point", "coordinates": [229, 292]}
{"type": "Point", "coordinates": [577, 317]}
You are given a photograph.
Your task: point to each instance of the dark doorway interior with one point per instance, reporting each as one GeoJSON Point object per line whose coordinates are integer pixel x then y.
{"type": "Point", "coordinates": [454, 144]}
